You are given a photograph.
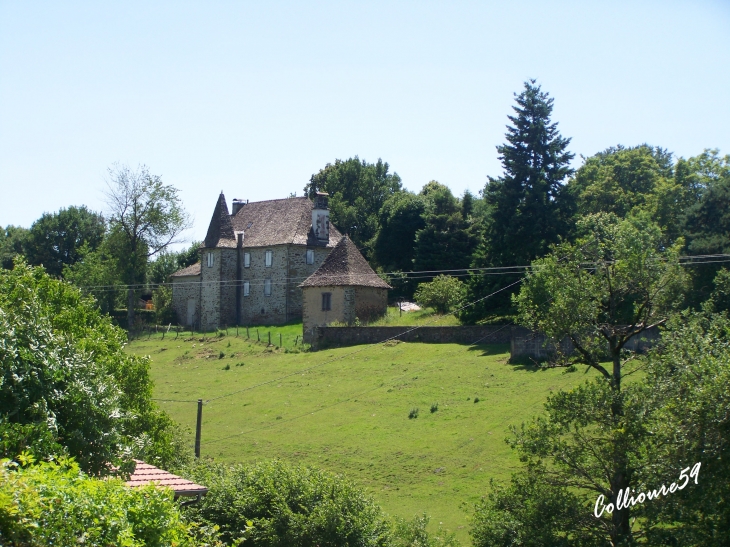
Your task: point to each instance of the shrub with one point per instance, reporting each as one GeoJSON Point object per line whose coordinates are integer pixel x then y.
{"type": "Point", "coordinates": [413, 534]}
{"type": "Point", "coordinates": [476, 399]}
{"type": "Point", "coordinates": [286, 505]}
{"type": "Point", "coordinates": [66, 383]}
{"type": "Point", "coordinates": [56, 504]}
{"type": "Point", "coordinates": [227, 367]}
{"type": "Point", "coordinates": [221, 355]}
{"type": "Point", "coordinates": [413, 414]}
{"type": "Point", "coordinates": [434, 407]}
{"type": "Point", "coordinates": [443, 293]}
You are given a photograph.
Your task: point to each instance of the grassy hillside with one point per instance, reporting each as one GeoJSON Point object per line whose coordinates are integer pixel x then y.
{"type": "Point", "coordinates": [347, 410]}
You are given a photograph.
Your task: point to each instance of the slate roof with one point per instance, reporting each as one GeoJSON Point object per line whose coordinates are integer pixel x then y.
{"type": "Point", "coordinates": [220, 230]}
{"type": "Point", "coordinates": [279, 222]}
{"type": "Point", "coordinates": [345, 266]}
{"type": "Point", "coordinates": [266, 223]}
{"type": "Point", "coordinates": [145, 474]}
{"type": "Point", "coordinates": [190, 270]}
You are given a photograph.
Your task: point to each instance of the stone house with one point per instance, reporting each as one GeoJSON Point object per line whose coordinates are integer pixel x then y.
{"type": "Point", "coordinates": [342, 289]}
{"type": "Point", "coordinates": [253, 261]}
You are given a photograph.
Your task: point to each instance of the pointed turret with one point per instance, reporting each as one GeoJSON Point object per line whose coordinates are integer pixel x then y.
{"type": "Point", "coordinates": [220, 227]}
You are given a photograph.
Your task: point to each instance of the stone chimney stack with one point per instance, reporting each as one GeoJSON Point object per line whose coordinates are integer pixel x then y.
{"type": "Point", "coordinates": [236, 206]}
{"type": "Point", "coordinates": [321, 217]}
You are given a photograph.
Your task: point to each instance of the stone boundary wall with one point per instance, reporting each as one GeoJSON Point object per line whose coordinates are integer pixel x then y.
{"type": "Point", "coordinates": [323, 337]}
{"type": "Point", "coordinates": [527, 344]}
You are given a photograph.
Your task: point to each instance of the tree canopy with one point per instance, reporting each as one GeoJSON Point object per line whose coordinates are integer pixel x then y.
{"type": "Point", "coordinates": [55, 240]}
{"type": "Point", "coordinates": [357, 190]}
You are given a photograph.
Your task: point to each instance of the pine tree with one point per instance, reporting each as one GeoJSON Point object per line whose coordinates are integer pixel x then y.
{"type": "Point", "coordinates": [527, 212]}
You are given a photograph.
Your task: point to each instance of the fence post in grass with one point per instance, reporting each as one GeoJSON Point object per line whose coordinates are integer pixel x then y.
{"type": "Point", "coordinates": [236, 330]}
{"type": "Point", "coordinates": [279, 339]}
{"type": "Point", "coordinates": [247, 336]}
{"type": "Point", "coordinates": [269, 337]}
{"type": "Point", "coordinates": [258, 336]}
{"type": "Point", "coordinates": [198, 427]}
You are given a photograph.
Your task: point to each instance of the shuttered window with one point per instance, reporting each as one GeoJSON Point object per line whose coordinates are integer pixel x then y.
{"type": "Point", "coordinates": [326, 301]}
{"type": "Point", "coordinates": [269, 258]}
{"type": "Point", "coordinates": [267, 287]}
{"type": "Point", "coordinates": [246, 288]}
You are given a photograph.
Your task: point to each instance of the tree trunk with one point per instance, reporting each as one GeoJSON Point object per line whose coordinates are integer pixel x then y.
{"type": "Point", "coordinates": [620, 519]}
{"type": "Point", "coordinates": [130, 310]}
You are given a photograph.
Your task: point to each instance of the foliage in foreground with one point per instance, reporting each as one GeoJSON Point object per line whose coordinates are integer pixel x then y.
{"type": "Point", "coordinates": [275, 504]}
{"type": "Point", "coordinates": [66, 385]}
{"type": "Point", "coordinates": [56, 504]}
{"type": "Point", "coordinates": [675, 416]}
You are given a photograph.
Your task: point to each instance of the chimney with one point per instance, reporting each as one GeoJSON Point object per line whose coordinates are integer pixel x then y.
{"type": "Point", "coordinates": [236, 206]}
{"type": "Point", "coordinates": [321, 217]}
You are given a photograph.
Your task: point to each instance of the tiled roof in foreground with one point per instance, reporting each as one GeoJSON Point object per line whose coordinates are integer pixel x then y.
{"type": "Point", "coordinates": [145, 474]}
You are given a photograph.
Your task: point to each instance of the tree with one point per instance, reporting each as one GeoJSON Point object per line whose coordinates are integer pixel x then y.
{"type": "Point", "coordinates": [357, 192]}
{"type": "Point", "coordinates": [55, 240]}
{"type": "Point", "coordinates": [445, 242]}
{"type": "Point", "coordinates": [687, 378]}
{"type": "Point", "coordinates": [66, 382]}
{"type": "Point", "coordinates": [399, 220]}
{"type": "Point", "coordinates": [443, 293]}
{"type": "Point", "coordinates": [527, 207]}
{"type": "Point", "coordinates": [12, 244]}
{"type": "Point", "coordinates": [615, 283]}
{"type": "Point", "coordinates": [145, 217]}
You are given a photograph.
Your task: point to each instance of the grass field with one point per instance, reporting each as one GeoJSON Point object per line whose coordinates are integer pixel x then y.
{"type": "Point", "coordinates": [347, 410]}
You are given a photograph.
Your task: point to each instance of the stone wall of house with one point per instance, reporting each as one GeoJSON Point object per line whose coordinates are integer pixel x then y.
{"type": "Point", "coordinates": [299, 270]}
{"type": "Point", "coordinates": [370, 303]}
{"type": "Point", "coordinates": [314, 315]}
{"type": "Point", "coordinates": [185, 289]}
{"type": "Point", "coordinates": [321, 337]}
{"type": "Point", "coordinates": [257, 308]}
{"type": "Point", "coordinates": [229, 263]}
{"type": "Point", "coordinates": [210, 295]}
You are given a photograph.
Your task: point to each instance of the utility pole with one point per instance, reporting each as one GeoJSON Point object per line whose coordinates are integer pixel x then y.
{"type": "Point", "coordinates": [198, 427]}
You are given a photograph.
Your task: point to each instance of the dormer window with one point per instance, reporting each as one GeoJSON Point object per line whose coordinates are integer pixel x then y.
{"type": "Point", "coordinates": [210, 260]}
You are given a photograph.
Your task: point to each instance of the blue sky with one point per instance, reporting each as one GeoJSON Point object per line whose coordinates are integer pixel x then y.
{"type": "Point", "coordinates": [253, 97]}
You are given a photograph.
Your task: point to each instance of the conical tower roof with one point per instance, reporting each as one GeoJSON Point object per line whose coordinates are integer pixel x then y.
{"type": "Point", "coordinates": [220, 231]}
{"type": "Point", "coordinates": [345, 266]}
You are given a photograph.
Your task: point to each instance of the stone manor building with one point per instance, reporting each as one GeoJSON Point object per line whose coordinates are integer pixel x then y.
{"type": "Point", "coordinates": [253, 261]}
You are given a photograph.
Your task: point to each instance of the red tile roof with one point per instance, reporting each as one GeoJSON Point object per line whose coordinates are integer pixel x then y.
{"type": "Point", "coordinates": [145, 474]}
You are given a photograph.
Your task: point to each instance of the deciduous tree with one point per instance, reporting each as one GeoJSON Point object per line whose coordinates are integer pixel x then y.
{"type": "Point", "coordinates": [145, 217]}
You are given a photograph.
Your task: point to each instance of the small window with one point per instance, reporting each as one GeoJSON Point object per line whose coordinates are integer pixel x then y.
{"type": "Point", "coordinates": [246, 288]}
{"type": "Point", "coordinates": [246, 260]}
{"type": "Point", "coordinates": [310, 257]}
{"type": "Point", "coordinates": [210, 260]}
{"type": "Point", "coordinates": [269, 258]}
{"type": "Point", "coordinates": [267, 287]}
{"type": "Point", "coordinates": [326, 301]}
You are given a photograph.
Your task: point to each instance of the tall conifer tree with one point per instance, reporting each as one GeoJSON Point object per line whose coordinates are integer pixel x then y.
{"type": "Point", "coordinates": [527, 213]}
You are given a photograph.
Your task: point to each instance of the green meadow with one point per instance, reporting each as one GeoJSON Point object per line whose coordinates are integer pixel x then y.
{"type": "Point", "coordinates": [347, 410]}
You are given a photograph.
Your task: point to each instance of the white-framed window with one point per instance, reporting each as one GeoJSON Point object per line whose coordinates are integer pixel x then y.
{"type": "Point", "coordinates": [326, 301]}
{"type": "Point", "coordinates": [267, 287]}
{"type": "Point", "coordinates": [310, 256]}
{"type": "Point", "coordinates": [246, 288]}
{"type": "Point", "coordinates": [269, 259]}
{"type": "Point", "coordinates": [246, 260]}
{"type": "Point", "coordinates": [210, 260]}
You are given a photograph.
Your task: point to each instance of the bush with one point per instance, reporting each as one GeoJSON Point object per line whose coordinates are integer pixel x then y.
{"type": "Point", "coordinates": [434, 407]}
{"type": "Point", "coordinates": [443, 293]}
{"type": "Point", "coordinates": [413, 414]}
{"type": "Point", "coordinates": [66, 383]}
{"type": "Point", "coordinates": [56, 504]}
{"type": "Point", "coordinates": [413, 534]}
{"type": "Point", "coordinates": [286, 505]}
